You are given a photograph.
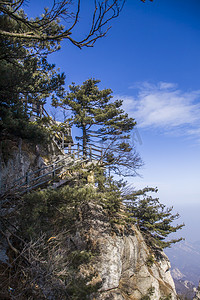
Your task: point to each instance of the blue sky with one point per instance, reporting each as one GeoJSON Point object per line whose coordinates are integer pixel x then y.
{"type": "Point", "coordinates": [151, 59]}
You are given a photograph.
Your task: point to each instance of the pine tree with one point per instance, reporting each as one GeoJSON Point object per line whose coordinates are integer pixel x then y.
{"type": "Point", "coordinates": [103, 121]}
{"type": "Point", "coordinates": [24, 83]}
{"type": "Point", "coordinates": [26, 78]}
{"type": "Point", "coordinates": [154, 219]}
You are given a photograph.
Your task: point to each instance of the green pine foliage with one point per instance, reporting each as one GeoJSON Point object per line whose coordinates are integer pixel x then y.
{"type": "Point", "coordinates": [103, 123]}
{"type": "Point", "coordinates": [26, 78]}
{"type": "Point", "coordinates": [155, 220]}
{"type": "Point", "coordinates": [91, 107]}
{"type": "Point", "coordinates": [22, 83]}
{"type": "Point", "coordinates": [49, 210]}
{"type": "Point", "coordinates": [54, 215]}
{"type": "Point", "coordinates": [52, 210]}
{"type": "Point", "coordinates": [149, 294]}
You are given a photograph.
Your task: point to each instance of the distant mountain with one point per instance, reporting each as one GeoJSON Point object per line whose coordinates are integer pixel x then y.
{"type": "Point", "coordinates": [176, 274]}
{"type": "Point", "coordinates": [185, 257]}
{"type": "Point", "coordinates": [185, 288]}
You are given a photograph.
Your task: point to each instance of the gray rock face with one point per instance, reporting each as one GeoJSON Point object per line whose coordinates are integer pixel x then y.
{"type": "Point", "coordinates": [197, 295]}
{"type": "Point", "coordinates": [122, 263]}
{"type": "Point", "coordinates": [19, 162]}
{"type": "Point", "coordinates": [24, 158]}
{"type": "Point", "coordinates": [20, 159]}
{"type": "Point", "coordinates": [123, 269]}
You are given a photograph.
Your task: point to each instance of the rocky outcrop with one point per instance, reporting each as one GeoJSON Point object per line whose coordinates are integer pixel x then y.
{"type": "Point", "coordinates": [197, 295]}
{"type": "Point", "coordinates": [18, 157]}
{"type": "Point", "coordinates": [125, 267]}
{"type": "Point", "coordinates": [122, 267]}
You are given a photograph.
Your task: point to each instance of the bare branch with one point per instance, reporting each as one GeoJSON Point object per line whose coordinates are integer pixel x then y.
{"type": "Point", "coordinates": [43, 28]}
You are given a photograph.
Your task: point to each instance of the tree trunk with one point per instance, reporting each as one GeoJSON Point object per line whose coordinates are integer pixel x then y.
{"type": "Point", "coordinates": [84, 141]}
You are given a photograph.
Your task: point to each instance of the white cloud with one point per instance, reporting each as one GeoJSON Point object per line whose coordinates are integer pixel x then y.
{"type": "Point", "coordinates": [164, 106]}
{"type": "Point", "coordinates": [167, 85]}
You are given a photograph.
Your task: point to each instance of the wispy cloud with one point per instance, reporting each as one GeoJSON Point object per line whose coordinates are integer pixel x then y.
{"type": "Point", "coordinates": [164, 106]}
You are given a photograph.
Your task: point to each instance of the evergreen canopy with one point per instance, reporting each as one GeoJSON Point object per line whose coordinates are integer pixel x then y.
{"type": "Point", "coordinates": [102, 120]}
{"type": "Point", "coordinates": [26, 78]}
{"type": "Point", "coordinates": [155, 220]}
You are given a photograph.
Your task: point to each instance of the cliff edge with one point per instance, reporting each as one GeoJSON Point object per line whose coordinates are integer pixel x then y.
{"type": "Point", "coordinates": [123, 265]}
{"type": "Point", "coordinates": [81, 255]}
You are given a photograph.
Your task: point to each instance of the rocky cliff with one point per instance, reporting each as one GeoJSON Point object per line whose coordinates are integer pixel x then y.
{"type": "Point", "coordinates": [197, 295]}
{"type": "Point", "coordinates": [122, 265]}
{"type": "Point", "coordinates": [17, 157]}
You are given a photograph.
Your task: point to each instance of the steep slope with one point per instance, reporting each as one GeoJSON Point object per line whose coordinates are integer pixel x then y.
{"type": "Point", "coordinates": [197, 294]}
{"type": "Point", "coordinates": [122, 266]}
{"type": "Point", "coordinates": [19, 157]}
{"type": "Point", "coordinates": [76, 251]}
